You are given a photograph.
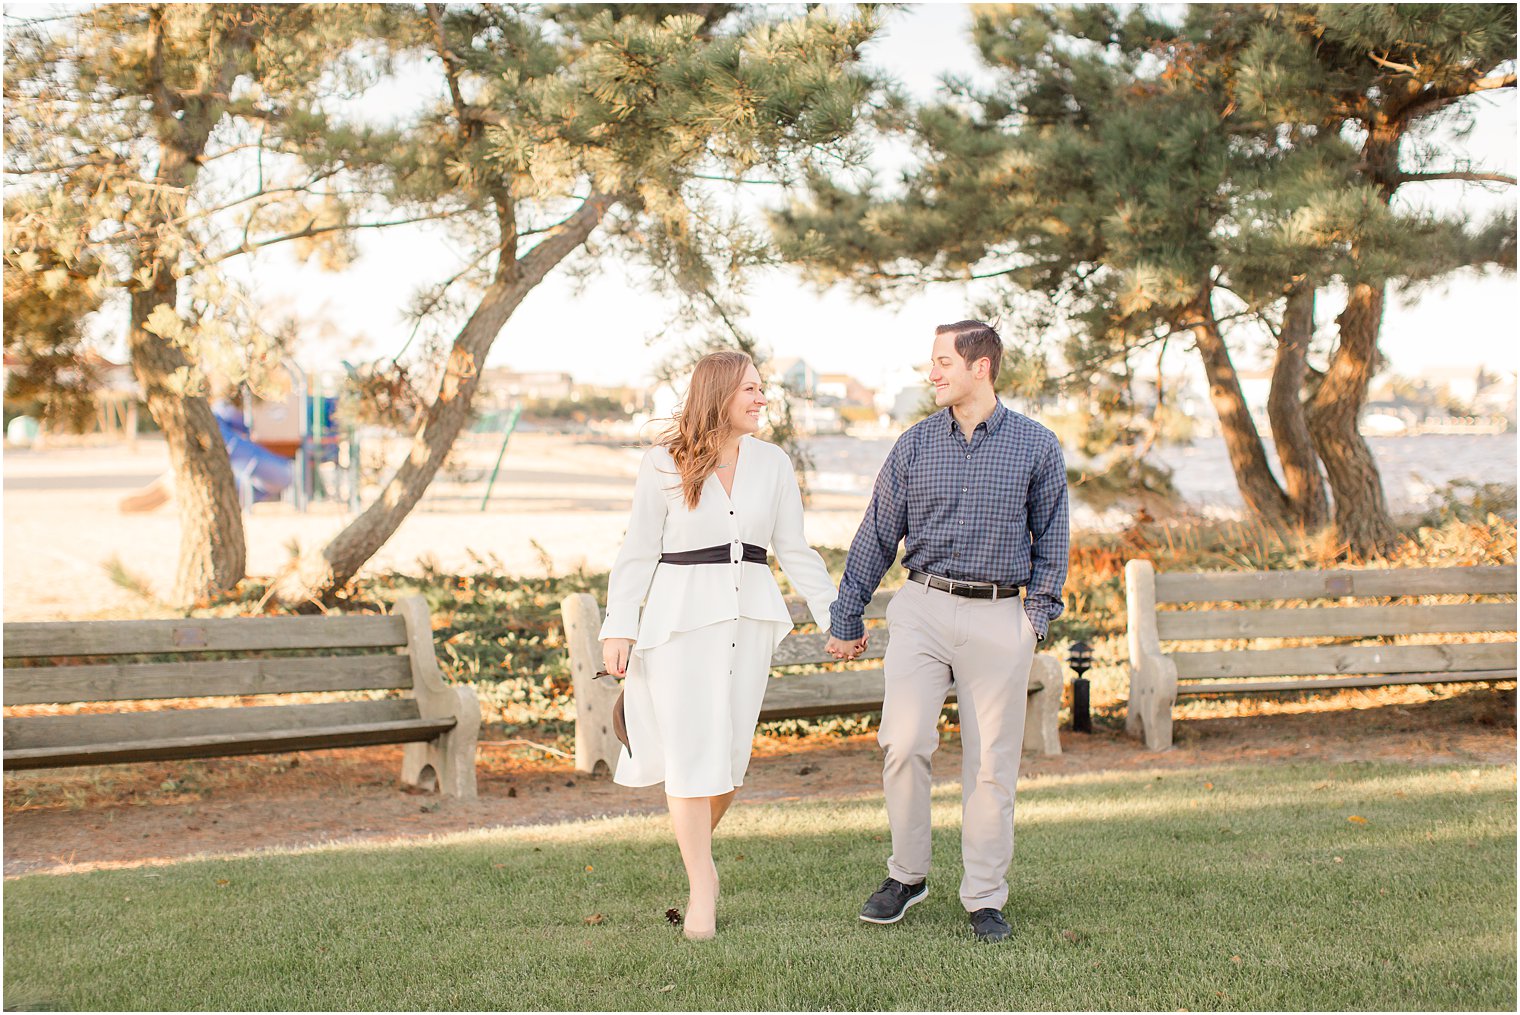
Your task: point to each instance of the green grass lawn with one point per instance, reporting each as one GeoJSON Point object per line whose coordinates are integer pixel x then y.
{"type": "Point", "coordinates": [1233, 888]}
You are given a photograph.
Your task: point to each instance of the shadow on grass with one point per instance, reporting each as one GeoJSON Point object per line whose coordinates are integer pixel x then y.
{"type": "Point", "coordinates": [1245, 888]}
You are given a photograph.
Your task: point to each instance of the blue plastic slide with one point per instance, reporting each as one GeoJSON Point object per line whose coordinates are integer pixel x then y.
{"type": "Point", "coordinates": [266, 472]}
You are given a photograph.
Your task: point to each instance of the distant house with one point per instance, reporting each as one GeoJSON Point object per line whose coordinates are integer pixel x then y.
{"type": "Point", "coordinates": [1496, 394]}
{"type": "Point", "coordinates": [797, 375]}
{"type": "Point", "coordinates": [500, 387]}
{"type": "Point", "coordinates": [117, 395]}
{"type": "Point", "coordinates": [1460, 384]}
{"type": "Point", "coordinates": [844, 390]}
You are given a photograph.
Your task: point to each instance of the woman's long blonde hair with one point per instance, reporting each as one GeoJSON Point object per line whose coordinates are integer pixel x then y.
{"type": "Point", "coordinates": [700, 427]}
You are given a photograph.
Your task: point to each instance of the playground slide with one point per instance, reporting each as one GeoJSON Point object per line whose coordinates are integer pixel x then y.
{"type": "Point", "coordinates": [266, 472]}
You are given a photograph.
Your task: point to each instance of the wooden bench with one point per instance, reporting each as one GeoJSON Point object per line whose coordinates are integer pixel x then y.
{"type": "Point", "coordinates": [792, 696]}
{"type": "Point", "coordinates": [1314, 605]}
{"type": "Point", "coordinates": [245, 657]}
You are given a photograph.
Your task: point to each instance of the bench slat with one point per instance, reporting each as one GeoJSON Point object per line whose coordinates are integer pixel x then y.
{"type": "Point", "coordinates": [144, 681]}
{"type": "Point", "coordinates": [227, 744]}
{"type": "Point", "coordinates": [1238, 586]}
{"type": "Point", "coordinates": [1341, 622]}
{"type": "Point", "coordinates": [87, 730]}
{"type": "Point", "coordinates": [223, 634]}
{"type": "Point", "coordinates": [1327, 659]}
{"type": "Point", "coordinates": [802, 649]}
{"type": "Point", "coordinates": [875, 609]}
{"type": "Point", "coordinates": [1331, 683]}
{"type": "Point", "coordinates": [812, 694]}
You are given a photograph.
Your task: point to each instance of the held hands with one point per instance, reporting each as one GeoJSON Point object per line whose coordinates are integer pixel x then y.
{"type": "Point", "coordinates": [840, 649]}
{"type": "Point", "coordinates": [615, 653]}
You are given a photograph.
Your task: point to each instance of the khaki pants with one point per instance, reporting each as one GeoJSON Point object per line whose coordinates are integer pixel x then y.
{"type": "Point", "coordinates": [984, 648]}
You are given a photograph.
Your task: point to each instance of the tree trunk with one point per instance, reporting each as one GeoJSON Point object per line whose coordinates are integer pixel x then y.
{"type": "Point", "coordinates": [318, 579]}
{"type": "Point", "coordinates": [1253, 475]}
{"type": "Point", "coordinates": [1305, 487]}
{"type": "Point", "coordinates": [212, 551]}
{"type": "Point", "coordinates": [1362, 520]}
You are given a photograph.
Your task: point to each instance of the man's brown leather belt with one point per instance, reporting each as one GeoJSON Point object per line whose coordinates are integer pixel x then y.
{"type": "Point", "coordinates": [971, 590]}
{"type": "Point", "coordinates": [714, 555]}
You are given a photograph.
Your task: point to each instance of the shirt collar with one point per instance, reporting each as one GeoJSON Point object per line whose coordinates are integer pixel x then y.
{"type": "Point", "coordinates": [999, 413]}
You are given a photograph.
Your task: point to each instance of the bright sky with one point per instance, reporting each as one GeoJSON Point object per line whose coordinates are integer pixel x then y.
{"type": "Point", "coordinates": [598, 333]}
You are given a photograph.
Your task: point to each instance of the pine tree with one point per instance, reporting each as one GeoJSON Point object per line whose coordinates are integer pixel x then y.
{"type": "Point", "coordinates": [1143, 180]}
{"type": "Point", "coordinates": [112, 117]}
{"type": "Point", "coordinates": [574, 123]}
{"type": "Point", "coordinates": [566, 131]}
{"type": "Point", "coordinates": [1390, 74]}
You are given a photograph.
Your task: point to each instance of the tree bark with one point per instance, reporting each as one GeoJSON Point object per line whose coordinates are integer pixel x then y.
{"type": "Point", "coordinates": [319, 578]}
{"type": "Point", "coordinates": [1302, 481]}
{"type": "Point", "coordinates": [1253, 475]}
{"type": "Point", "coordinates": [1362, 520]}
{"type": "Point", "coordinates": [212, 550]}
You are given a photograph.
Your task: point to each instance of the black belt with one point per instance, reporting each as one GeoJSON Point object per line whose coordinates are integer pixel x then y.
{"type": "Point", "coordinates": [971, 590]}
{"type": "Point", "coordinates": [714, 555]}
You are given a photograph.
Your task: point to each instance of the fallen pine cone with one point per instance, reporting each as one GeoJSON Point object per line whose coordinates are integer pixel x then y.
{"type": "Point", "coordinates": [673, 917]}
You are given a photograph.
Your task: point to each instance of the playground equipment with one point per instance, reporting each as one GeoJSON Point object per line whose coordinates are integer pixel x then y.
{"type": "Point", "coordinates": [289, 442]}
{"type": "Point", "coordinates": [508, 424]}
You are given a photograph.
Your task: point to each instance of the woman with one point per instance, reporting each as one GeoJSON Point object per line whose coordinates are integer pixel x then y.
{"type": "Point", "coordinates": [709, 497]}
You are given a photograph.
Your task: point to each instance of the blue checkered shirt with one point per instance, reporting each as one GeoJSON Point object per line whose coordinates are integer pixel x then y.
{"type": "Point", "coordinates": [993, 511]}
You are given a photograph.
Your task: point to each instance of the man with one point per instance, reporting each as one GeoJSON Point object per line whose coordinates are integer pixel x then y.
{"type": "Point", "coordinates": [979, 494]}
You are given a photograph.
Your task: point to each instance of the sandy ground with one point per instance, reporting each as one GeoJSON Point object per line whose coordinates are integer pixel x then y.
{"type": "Point", "coordinates": [566, 494]}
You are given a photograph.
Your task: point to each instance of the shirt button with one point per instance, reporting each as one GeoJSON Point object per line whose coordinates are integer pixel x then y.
{"type": "Point", "coordinates": [968, 458]}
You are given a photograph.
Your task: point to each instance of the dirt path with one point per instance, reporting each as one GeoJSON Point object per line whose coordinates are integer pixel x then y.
{"type": "Point", "coordinates": [79, 819]}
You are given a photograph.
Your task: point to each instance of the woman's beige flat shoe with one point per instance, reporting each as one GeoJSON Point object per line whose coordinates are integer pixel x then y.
{"type": "Point", "coordinates": [697, 935]}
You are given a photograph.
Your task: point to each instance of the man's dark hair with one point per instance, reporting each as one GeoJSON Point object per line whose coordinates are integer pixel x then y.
{"type": "Point", "coordinates": [975, 340]}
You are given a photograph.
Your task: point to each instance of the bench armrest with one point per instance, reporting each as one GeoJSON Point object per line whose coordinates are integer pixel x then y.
{"type": "Point", "coordinates": [453, 756]}
{"type": "Point", "coordinates": [595, 743]}
{"type": "Point", "coordinates": [1042, 726]}
{"type": "Point", "coordinates": [1152, 676]}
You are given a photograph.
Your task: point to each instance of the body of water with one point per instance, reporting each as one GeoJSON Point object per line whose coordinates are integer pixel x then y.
{"type": "Point", "coordinates": [1414, 469]}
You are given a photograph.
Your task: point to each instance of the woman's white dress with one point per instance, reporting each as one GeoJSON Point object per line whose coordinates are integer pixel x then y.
{"type": "Point", "coordinates": [704, 633]}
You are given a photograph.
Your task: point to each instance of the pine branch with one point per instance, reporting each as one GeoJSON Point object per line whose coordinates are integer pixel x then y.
{"type": "Point", "coordinates": [733, 179]}
{"type": "Point", "coordinates": [303, 188]}
{"type": "Point", "coordinates": [95, 159]}
{"type": "Point", "coordinates": [1390, 65]}
{"type": "Point", "coordinates": [1435, 98]}
{"type": "Point", "coordinates": [165, 101]}
{"type": "Point", "coordinates": [467, 126]}
{"type": "Point", "coordinates": [435, 300]}
{"type": "Point", "coordinates": [1469, 176]}
{"type": "Point", "coordinates": [315, 230]}
{"type": "Point", "coordinates": [566, 237]}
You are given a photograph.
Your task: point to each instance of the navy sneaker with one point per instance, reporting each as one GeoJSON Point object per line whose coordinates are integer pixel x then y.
{"type": "Point", "coordinates": [989, 925]}
{"type": "Point", "coordinates": [889, 902]}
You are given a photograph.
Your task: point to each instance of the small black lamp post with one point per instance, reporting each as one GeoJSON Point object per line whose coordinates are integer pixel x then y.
{"type": "Point", "coordinates": [1080, 659]}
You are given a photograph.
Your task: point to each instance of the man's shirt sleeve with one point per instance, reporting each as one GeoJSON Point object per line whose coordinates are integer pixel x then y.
{"type": "Point", "coordinates": [1050, 538]}
{"type": "Point", "coordinates": [875, 546]}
